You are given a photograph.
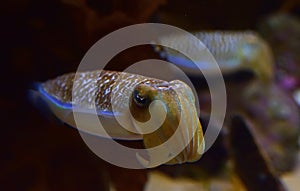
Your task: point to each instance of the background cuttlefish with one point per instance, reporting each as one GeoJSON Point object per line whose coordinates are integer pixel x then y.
{"type": "Point", "coordinates": [129, 98]}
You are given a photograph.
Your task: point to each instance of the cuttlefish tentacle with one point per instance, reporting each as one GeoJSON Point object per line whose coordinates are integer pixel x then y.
{"type": "Point", "coordinates": [128, 96]}
{"type": "Point", "coordinates": [181, 113]}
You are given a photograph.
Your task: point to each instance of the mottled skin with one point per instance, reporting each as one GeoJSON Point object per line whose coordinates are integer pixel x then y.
{"type": "Point", "coordinates": [111, 91]}
{"type": "Point", "coordinates": [174, 107]}
{"type": "Point", "coordinates": [233, 50]}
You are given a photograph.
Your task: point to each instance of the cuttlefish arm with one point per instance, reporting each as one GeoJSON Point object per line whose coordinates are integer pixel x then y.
{"type": "Point", "coordinates": [121, 99]}
{"type": "Point", "coordinates": [233, 51]}
{"type": "Point", "coordinates": [179, 104]}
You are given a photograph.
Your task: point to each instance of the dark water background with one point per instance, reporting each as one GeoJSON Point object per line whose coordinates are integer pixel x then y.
{"type": "Point", "coordinates": [45, 38]}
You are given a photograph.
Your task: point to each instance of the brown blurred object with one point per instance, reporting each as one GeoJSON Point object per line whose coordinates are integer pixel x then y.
{"type": "Point", "coordinates": [250, 162]}
{"type": "Point", "coordinates": [289, 6]}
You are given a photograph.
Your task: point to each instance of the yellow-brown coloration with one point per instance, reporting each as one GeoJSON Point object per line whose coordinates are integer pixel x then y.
{"type": "Point", "coordinates": [233, 50]}
{"type": "Point", "coordinates": [114, 92]}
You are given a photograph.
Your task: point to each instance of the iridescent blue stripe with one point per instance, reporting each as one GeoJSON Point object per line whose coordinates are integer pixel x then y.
{"type": "Point", "coordinates": [187, 63]}
{"type": "Point", "coordinates": [68, 106]}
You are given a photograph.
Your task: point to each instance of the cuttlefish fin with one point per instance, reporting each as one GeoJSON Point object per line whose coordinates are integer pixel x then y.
{"type": "Point", "coordinates": [39, 101]}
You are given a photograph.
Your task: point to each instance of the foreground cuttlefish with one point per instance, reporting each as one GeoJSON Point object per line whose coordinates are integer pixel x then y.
{"type": "Point", "coordinates": [128, 97]}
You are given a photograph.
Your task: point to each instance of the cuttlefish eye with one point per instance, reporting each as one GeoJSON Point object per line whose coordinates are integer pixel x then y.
{"type": "Point", "coordinates": [140, 99]}
{"type": "Point", "coordinates": [165, 114]}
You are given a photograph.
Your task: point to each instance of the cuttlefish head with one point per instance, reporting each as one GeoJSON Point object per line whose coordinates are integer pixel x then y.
{"type": "Point", "coordinates": [175, 115]}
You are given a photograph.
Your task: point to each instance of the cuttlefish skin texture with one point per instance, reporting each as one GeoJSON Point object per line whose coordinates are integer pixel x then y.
{"type": "Point", "coordinates": [113, 93]}
{"type": "Point", "coordinates": [233, 51]}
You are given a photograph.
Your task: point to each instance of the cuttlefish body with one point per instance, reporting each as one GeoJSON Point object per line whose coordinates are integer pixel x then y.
{"type": "Point", "coordinates": [233, 51]}
{"type": "Point", "coordinates": [124, 104]}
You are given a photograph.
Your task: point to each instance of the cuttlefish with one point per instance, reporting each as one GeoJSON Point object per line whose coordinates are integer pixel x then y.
{"type": "Point", "coordinates": [233, 51]}
{"type": "Point", "coordinates": [123, 102]}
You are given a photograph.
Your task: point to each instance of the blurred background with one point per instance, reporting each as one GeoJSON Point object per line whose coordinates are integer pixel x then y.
{"type": "Point", "coordinates": [42, 39]}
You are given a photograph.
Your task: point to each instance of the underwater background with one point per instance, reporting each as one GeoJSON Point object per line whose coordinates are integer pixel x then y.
{"type": "Point", "coordinates": [46, 38]}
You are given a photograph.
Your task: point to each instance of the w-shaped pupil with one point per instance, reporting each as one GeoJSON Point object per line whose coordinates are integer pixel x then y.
{"type": "Point", "coordinates": [140, 100]}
